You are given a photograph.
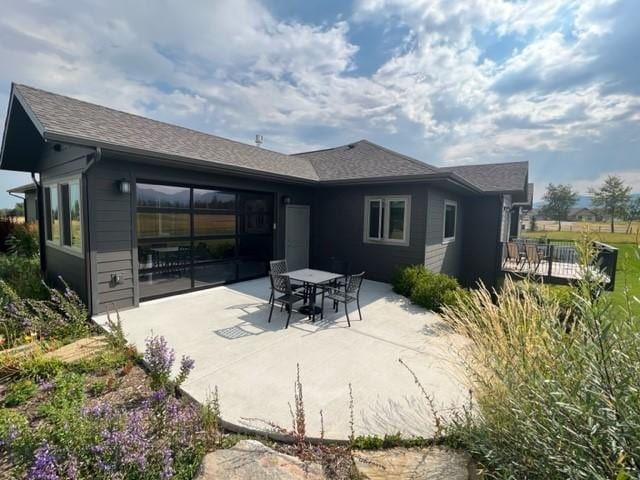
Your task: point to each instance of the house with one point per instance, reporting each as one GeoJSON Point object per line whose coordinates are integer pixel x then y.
{"type": "Point", "coordinates": [28, 194]}
{"type": "Point", "coordinates": [582, 214]}
{"type": "Point", "coordinates": [133, 209]}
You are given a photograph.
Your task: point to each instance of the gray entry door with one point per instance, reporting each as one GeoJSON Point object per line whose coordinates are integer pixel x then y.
{"type": "Point", "coordinates": [297, 236]}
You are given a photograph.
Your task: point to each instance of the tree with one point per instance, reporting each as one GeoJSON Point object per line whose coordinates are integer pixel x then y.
{"type": "Point", "coordinates": [613, 196]}
{"type": "Point", "coordinates": [558, 200]}
{"type": "Point", "coordinates": [632, 212]}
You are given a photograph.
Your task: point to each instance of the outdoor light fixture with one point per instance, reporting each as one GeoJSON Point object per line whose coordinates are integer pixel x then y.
{"type": "Point", "coordinates": [286, 200]}
{"type": "Point", "coordinates": [124, 186]}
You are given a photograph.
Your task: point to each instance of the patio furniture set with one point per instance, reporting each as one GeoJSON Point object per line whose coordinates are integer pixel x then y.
{"type": "Point", "coordinates": [291, 287]}
{"type": "Point", "coordinates": [526, 254]}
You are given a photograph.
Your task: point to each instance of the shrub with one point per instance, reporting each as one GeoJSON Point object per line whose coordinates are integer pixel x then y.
{"type": "Point", "coordinates": [19, 392]}
{"type": "Point", "coordinates": [62, 315]}
{"type": "Point", "coordinates": [405, 279]}
{"type": "Point", "coordinates": [434, 290]}
{"type": "Point", "coordinates": [23, 275]}
{"type": "Point", "coordinates": [550, 402]}
{"type": "Point", "coordinates": [23, 240]}
{"type": "Point", "coordinates": [158, 438]}
{"type": "Point", "coordinates": [159, 359]}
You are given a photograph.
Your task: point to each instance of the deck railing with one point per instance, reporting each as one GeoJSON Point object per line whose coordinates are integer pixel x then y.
{"type": "Point", "coordinates": [558, 261]}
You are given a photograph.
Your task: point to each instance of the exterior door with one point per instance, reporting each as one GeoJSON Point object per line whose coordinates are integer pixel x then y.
{"type": "Point", "coordinates": [297, 236]}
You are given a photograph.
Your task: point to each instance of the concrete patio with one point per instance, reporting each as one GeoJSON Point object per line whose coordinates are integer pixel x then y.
{"type": "Point", "coordinates": [253, 363]}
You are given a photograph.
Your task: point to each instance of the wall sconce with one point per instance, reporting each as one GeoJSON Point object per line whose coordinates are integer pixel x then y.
{"type": "Point", "coordinates": [124, 186]}
{"type": "Point", "coordinates": [286, 200]}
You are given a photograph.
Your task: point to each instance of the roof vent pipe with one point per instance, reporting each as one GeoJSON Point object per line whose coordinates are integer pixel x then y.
{"type": "Point", "coordinates": [259, 140]}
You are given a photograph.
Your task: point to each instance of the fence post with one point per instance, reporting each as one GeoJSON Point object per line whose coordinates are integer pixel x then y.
{"type": "Point", "coordinates": [550, 256]}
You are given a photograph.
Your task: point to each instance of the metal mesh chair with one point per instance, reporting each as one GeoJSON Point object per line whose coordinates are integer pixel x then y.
{"type": "Point", "coordinates": [349, 293]}
{"type": "Point", "coordinates": [283, 294]}
{"type": "Point", "coordinates": [279, 267]}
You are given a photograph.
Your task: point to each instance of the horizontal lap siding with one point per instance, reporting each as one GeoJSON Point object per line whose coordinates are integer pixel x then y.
{"type": "Point", "coordinates": [339, 230]}
{"type": "Point", "coordinates": [112, 220]}
{"type": "Point", "coordinates": [68, 266]}
{"type": "Point", "coordinates": [53, 165]}
{"type": "Point", "coordinates": [442, 257]}
{"type": "Point", "coordinates": [111, 238]}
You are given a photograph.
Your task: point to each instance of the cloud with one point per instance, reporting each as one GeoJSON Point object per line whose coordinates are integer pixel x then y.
{"type": "Point", "coordinates": [563, 90]}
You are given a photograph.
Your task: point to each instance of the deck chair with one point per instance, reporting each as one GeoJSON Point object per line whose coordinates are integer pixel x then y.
{"type": "Point", "coordinates": [533, 257]}
{"type": "Point", "coordinates": [515, 254]}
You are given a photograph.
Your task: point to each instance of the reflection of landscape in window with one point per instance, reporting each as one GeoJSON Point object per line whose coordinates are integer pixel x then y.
{"type": "Point", "coordinates": [209, 250]}
{"type": "Point", "coordinates": [163, 224]}
{"type": "Point", "coordinates": [375, 223]}
{"type": "Point", "coordinates": [396, 219]}
{"type": "Point", "coordinates": [53, 214]}
{"type": "Point", "coordinates": [449, 221]}
{"type": "Point", "coordinates": [74, 215]}
{"type": "Point", "coordinates": [195, 237]}
{"type": "Point", "coordinates": [162, 196]}
{"type": "Point", "coordinates": [214, 200]}
{"type": "Point", "coordinates": [214, 224]}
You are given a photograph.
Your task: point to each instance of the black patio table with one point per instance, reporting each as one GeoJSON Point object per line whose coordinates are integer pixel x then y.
{"type": "Point", "coordinates": [314, 278]}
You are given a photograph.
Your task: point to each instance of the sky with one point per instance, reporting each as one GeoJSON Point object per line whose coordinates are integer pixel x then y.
{"type": "Point", "coordinates": [449, 82]}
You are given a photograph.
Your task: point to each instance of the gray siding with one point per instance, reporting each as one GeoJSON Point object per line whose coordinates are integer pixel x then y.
{"type": "Point", "coordinates": [481, 239]}
{"type": "Point", "coordinates": [112, 220]}
{"type": "Point", "coordinates": [443, 257]}
{"type": "Point", "coordinates": [30, 207]}
{"type": "Point", "coordinates": [339, 224]}
{"type": "Point", "coordinates": [69, 160]}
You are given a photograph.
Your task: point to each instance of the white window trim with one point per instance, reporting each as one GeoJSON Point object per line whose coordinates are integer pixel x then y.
{"type": "Point", "coordinates": [58, 245]}
{"type": "Point", "coordinates": [384, 239]}
{"type": "Point", "coordinates": [450, 203]}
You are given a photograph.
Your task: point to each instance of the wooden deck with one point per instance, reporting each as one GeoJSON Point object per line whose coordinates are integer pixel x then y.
{"type": "Point", "coordinates": [563, 271]}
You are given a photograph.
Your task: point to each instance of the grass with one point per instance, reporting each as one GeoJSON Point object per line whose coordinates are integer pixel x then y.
{"type": "Point", "coordinates": [628, 267]}
{"type": "Point", "coordinates": [604, 237]}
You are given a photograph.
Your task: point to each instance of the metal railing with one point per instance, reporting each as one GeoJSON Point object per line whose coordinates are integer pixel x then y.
{"type": "Point", "coordinates": [558, 260]}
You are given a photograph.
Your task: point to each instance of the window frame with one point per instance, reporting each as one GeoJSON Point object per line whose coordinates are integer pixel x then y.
{"type": "Point", "coordinates": [454, 204]}
{"type": "Point", "coordinates": [384, 218]}
{"type": "Point", "coordinates": [64, 214]}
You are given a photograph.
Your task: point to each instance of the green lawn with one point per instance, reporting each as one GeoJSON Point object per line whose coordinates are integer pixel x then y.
{"type": "Point", "coordinates": [627, 275]}
{"type": "Point", "coordinates": [604, 237]}
{"type": "Point", "coordinates": [628, 271]}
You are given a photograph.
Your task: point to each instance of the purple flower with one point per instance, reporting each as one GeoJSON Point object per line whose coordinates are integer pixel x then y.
{"type": "Point", "coordinates": [159, 359]}
{"type": "Point", "coordinates": [46, 385]}
{"type": "Point", "coordinates": [44, 464]}
{"type": "Point", "coordinates": [101, 409]}
{"type": "Point", "coordinates": [72, 469]}
{"type": "Point", "coordinates": [167, 464]}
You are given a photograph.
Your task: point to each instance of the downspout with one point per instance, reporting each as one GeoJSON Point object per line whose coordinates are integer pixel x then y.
{"type": "Point", "coordinates": [41, 218]}
{"type": "Point", "coordinates": [87, 230]}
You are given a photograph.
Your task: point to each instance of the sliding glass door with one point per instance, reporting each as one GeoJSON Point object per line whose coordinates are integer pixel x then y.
{"type": "Point", "coordinates": [190, 238]}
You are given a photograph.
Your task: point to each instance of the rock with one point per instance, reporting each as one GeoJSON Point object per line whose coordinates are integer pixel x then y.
{"type": "Point", "coordinates": [250, 459]}
{"type": "Point", "coordinates": [79, 350]}
{"type": "Point", "coordinates": [433, 463]}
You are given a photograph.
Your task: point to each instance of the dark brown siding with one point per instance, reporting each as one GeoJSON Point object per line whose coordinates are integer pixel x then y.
{"type": "Point", "coordinates": [443, 257]}
{"type": "Point", "coordinates": [339, 228]}
{"type": "Point", "coordinates": [113, 236]}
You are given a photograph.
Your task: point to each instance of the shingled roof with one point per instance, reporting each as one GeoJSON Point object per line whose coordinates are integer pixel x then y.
{"type": "Point", "coordinates": [61, 118]}
{"type": "Point", "coordinates": [97, 125]}
{"type": "Point", "coordinates": [363, 159]}
{"type": "Point", "coordinates": [494, 177]}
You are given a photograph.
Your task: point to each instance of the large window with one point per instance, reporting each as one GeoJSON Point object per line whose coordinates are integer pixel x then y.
{"type": "Point", "coordinates": [450, 218]}
{"type": "Point", "coordinates": [196, 237]}
{"type": "Point", "coordinates": [387, 219]}
{"type": "Point", "coordinates": [63, 214]}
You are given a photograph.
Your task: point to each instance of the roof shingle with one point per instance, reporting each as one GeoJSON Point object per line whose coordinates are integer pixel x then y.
{"type": "Point", "coordinates": [70, 118]}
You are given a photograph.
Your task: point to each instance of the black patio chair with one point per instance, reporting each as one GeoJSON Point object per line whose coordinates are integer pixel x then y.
{"type": "Point", "coordinates": [283, 294]}
{"type": "Point", "coordinates": [337, 265]}
{"type": "Point", "coordinates": [349, 293]}
{"type": "Point", "coordinates": [279, 267]}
